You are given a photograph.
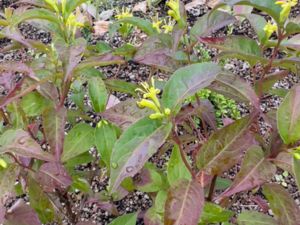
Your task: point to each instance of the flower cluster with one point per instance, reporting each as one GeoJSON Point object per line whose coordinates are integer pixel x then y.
{"type": "Point", "coordinates": [151, 101]}
{"type": "Point", "coordinates": [167, 24]}
{"type": "Point", "coordinates": [123, 13]}
{"type": "Point", "coordinates": [174, 10]}
{"type": "Point", "coordinates": [270, 28]}
{"type": "Point", "coordinates": [286, 6]}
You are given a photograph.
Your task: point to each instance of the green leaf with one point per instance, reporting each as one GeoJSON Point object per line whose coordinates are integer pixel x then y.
{"type": "Point", "coordinates": [151, 217]}
{"type": "Point", "coordinates": [264, 85]}
{"type": "Point", "coordinates": [187, 81]}
{"type": "Point", "coordinates": [225, 147]}
{"type": "Point", "coordinates": [81, 184]}
{"type": "Point", "coordinates": [288, 117]}
{"type": "Point", "coordinates": [267, 6]}
{"type": "Point", "coordinates": [135, 146]}
{"type": "Point", "coordinates": [293, 27]}
{"type": "Point", "coordinates": [8, 179]}
{"type": "Point", "coordinates": [33, 104]}
{"type": "Point", "coordinates": [127, 219]}
{"type": "Point", "coordinates": [127, 50]}
{"type": "Point", "coordinates": [150, 179]}
{"type": "Point", "coordinates": [79, 140]}
{"type": "Point", "coordinates": [40, 202]}
{"type": "Point", "coordinates": [239, 47]}
{"type": "Point", "coordinates": [71, 5]}
{"type": "Point", "coordinates": [160, 201]}
{"type": "Point", "coordinates": [184, 204]}
{"type": "Point", "coordinates": [142, 24]}
{"type": "Point", "coordinates": [258, 23]}
{"type": "Point", "coordinates": [282, 204]}
{"type": "Point", "coordinates": [98, 94]}
{"type": "Point", "coordinates": [255, 218]}
{"type": "Point", "coordinates": [121, 86]}
{"type": "Point", "coordinates": [176, 169]}
{"type": "Point", "coordinates": [106, 135]}
{"type": "Point", "coordinates": [213, 213]}
{"type": "Point", "coordinates": [211, 22]}
{"type": "Point", "coordinates": [255, 170]}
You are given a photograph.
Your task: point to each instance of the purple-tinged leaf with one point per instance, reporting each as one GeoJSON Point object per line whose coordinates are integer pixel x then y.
{"type": "Point", "coordinates": [21, 214]}
{"type": "Point", "coordinates": [282, 204]}
{"type": "Point", "coordinates": [205, 111]}
{"type": "Point", "coordinates": [54, 125]}
{"type": "Point", "coordinates": [125, 113]}
{"type": "Point", "coordinates": [211, 22]}
{"type": "Point", "coordinates": [284, 160]}
{"type": "Point", "coordinates": [53, 176]}
{"type": "Point", "coordinates": [255, 218]}
{"type": "Point", "coordinates": [49, 91]}
{"type": "Point", "coordinates": [2, 212]}
{"type": "Point", "coordinates": [296, 170]}
{"type": "Point", "coordinates": [156, 51]}
{"type": "Point", "coordinates": [186, 81]}
{"type": "Point", "coordinates": [288, 117]}
{"type": "Point", "coordinates": [184, 204]}
{"type": "Point", "coordinates": [255, 171]}
{"type": "Point", "coordinates": [225, 147]}
{"type": "Point", "coordinates": [20, 143]}
{"type": "Point", "coordinates": [135, 146]}
{"type": "Point", "coordinates": [242, 9]}
{"type": "Point", "coordinates": [107, 206]}
{"type": "Point", "coordinates": [235, 88]}
{"type": "Point", "coordinates": [152, 217]}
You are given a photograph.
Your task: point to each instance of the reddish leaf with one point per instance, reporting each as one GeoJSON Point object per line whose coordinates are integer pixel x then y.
{"type": "Point", "coordinates": [54, 125]}
{"type": "Point", "coordinates": [156, 52]}
{"type": "Point", "coordinates": [284, 160]}
{"type": "Point", "coordinates": [20, 143]}
{"type": "Point", "coordinates": [53, 176]}
{"type": "Point", "coordinates": [282, 204]}
{"type": "Point", "coordinates": [21, 214]}
{"type": "Point", "coordinates": [125, 113]}
{"type": "Point", "coordinates": [2, 212]}
{"type": "Point", "coordinates": [184, 204]}
{"type": "Point", "coordinates": [255, 171]}
{"type": "Point", "coordinates": [224, 148]}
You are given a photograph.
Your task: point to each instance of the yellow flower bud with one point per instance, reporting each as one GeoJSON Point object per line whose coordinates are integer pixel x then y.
{"type": "Point", "coordinates": [148, 104]}
{"type": "Point", "coordinates": [270, 28]}
{"type": "Point", "coordinates": [286, 6]}
{"type": "Point", "coordinates": [167, 111]}
{"type": "Point", "coordinates": [174, 11]}
{"type": "Point", "coordinates": [3, 164]}
{"type": "Point", "coordinates": [157, 115]}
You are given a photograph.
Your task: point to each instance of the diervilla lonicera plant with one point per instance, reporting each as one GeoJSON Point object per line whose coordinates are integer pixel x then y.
{"type": "Point", "coordinates": [43, 142]}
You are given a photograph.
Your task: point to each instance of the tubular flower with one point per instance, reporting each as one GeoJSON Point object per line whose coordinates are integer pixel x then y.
{"type": "Point", "coordinates": [168, 25]}
{"type": "Point", "coordinates": [286, 6]}
{"type": "Point", "coordinates": [270, 28]}
{"type": "Point", "coordinates": [151, 101]}
{"type": "Point", "coordinates": [123, 13]}
{"type": "Point", "coordinates": [174, 10]}
{"type": "Point", "coordinates": [156, 23]}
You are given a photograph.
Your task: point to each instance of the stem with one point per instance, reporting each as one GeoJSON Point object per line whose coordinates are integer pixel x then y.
{"type": "Point", "coordinates": [212, 188]}
{"type": "Point", "coordinates": [187, 164]}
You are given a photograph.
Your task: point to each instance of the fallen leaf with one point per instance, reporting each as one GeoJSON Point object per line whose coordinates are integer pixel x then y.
{"type": "Point", "coordinates": [194, 3]}
{"type": "Point", "coordinates": [141, 6]}
{"type": "Point", "coordinates": [101, 27]}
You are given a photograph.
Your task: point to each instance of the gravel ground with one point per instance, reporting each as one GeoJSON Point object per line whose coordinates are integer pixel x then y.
{"type": "Point", "coordinates": [139, 201]}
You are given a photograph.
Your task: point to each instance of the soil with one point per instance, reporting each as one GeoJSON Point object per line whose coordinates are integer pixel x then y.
{"type": "Point", "coordinates": [139, 201]}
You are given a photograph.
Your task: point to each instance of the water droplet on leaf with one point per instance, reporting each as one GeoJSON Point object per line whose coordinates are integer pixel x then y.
{"type": "Point", "coordinates": [114, 165]}
{"type": "Point", "coordinates": [129, 169]}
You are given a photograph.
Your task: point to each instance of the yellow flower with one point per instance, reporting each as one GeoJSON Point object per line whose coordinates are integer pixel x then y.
{"type": "Point", "coordinates": [148, 104]}
{"type": "Point", "coordinates": [123, 13]}
{"type": "Point", "coordinates": [286, 6]}
{"type": "Point", "coordinates": [270, 28]}
{"type": "Point", "coordinates": [3, 164]}
{"type": "Point", "coordinates": [174, 10]}
{"type": "Point", "coordinates": [151, 101]}
{"type": "Point", "coordinates": [168, 25]}
{"type": "Point", "coordinates": [156, 23]}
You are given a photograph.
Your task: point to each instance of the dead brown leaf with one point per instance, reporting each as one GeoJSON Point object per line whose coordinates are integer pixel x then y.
{"type": "Point", "coordinates": [141, 6]}
{"type": "Point", "coordinates": [101, 27]}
